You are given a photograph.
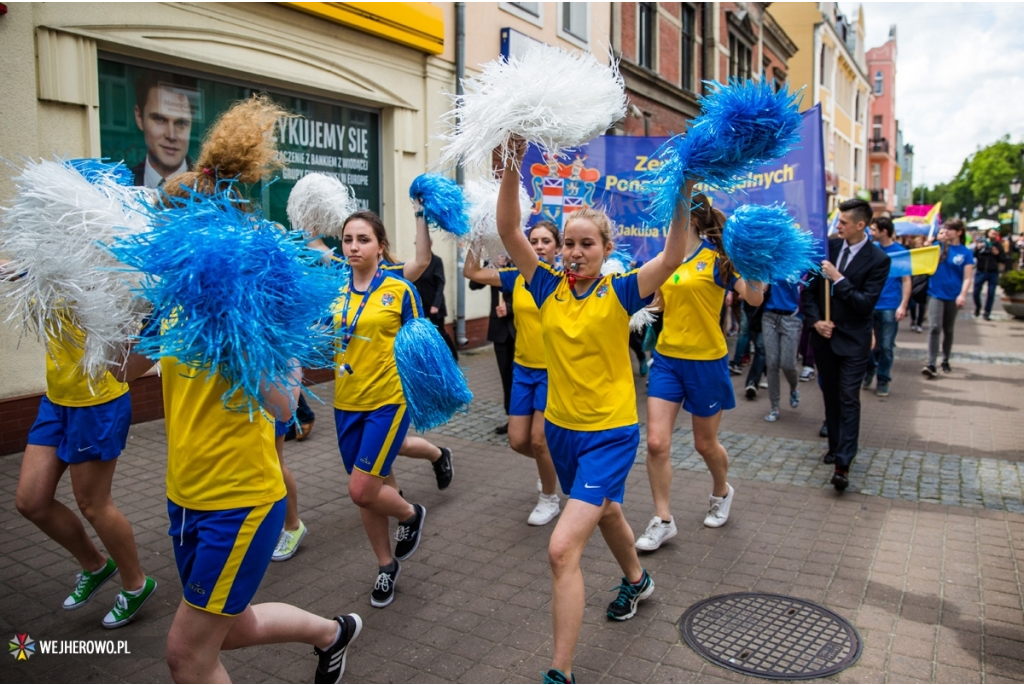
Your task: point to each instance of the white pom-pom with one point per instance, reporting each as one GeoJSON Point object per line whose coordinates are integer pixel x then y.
{"type": "Point", "coordinates": [319, 204]}
{"type": "Point", "coordinates": [551, 97]}
{"type": "Point", "coordinates": [641, 320]}
{"type": "Point", "coordinates": [55, 232]}
{"type": "Point", "coordinates": [482, 197]}
{"type": "Point", "coordinates": [614, 265]}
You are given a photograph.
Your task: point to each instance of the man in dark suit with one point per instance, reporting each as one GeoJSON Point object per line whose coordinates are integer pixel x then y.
{"type": "Point", "coordinates": [843, 343]}
{"type": "Point", "coordinates": [430, 285]}
{"type": "Point", "coordinates": [501, 331]}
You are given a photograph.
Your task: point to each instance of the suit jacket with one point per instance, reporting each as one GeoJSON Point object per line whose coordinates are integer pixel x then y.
{"type": "Point", "coordinates": [140, 170]}
{"type": "Point", "coordinates": [431, 287]}
{"type": "Point", "coordinates": [500, 329]}
{"type": "Point", "coordinates": [853, 299]}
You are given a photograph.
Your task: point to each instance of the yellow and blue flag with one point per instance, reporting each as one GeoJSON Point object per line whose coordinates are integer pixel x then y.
{"type": "Point", "coordinates": [920, 262]}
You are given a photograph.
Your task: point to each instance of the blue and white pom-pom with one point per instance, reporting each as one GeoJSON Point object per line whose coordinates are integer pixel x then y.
{"type": "Point", "coordinates": [765, 244]}
{"type": "Point", "coordinates": [444, 206]}
{"type": "Point", "coordinates": [234, 294]}
{"type": "Point", "coordinates": [54, 232]}
{"type": "Point", "coordinates": [551, 97]}
{"type": "Point", "coordinates": [100, 170]}
{"type": "Point", "coordinates": [618, 262]}
{"type": "Point", "coordinates": [319, 204]}
{"type": "Point", "coordinates": [741, 126]}
{"type": "Point", "coordinates": [482, 198]}
{"type": "Point", "coordinates": [432, 381]}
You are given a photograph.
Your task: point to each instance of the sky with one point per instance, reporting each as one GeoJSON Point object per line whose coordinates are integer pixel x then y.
{"type": "Point", "coordinates": [959, 76]}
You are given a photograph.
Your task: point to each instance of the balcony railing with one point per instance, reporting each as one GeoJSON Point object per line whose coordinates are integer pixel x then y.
{"type": "Point", "coordinates": [879, 145]}
{"type": "Point", "coordinates": [878, 194]}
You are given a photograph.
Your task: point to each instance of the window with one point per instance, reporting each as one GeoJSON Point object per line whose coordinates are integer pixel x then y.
{"type": "Point", "coordinates": [645, 47]}
{"type": "Point", "coordinates": [575, 19]}
{"type": "Point", "coordinates": [878, 83]}
{"type": "Point", "coordinates": [856, 106]}
{"type": "Point", "coordinates": [821, 67]}
{"type": "Point", "coordinates": [527, 11]}
{"type": "Point", "coordinates": [528, 7]}
{"type": "Point", "coordinates": [876, 176]}
{"type": "Point", "coordinates": [739, 58]}
{"type": "Point", "coordinates": [688, 32]}
{"type": "Point", "coordinates": [856, 166]}
{"type": "Point", "coordinates": [876, 128]}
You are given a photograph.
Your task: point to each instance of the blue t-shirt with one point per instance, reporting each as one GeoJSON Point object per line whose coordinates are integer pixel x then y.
{"type": "Point", "coordinates": [948, 279]}
{"type": "Point", "coordinates": [892, 293]}
{"type": "Point", "coordinates": [784, 297]}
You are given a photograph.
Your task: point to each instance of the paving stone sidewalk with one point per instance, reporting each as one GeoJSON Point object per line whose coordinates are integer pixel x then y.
{"type": "Point", "coordinates": [934, 588]}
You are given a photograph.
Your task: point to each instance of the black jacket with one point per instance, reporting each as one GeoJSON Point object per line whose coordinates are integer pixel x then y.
{"type": "Point", "coordinates": [431, 288]}
{"type": "Point", "coordinates": [853, 299]}
{"type": "Point", "coordinates": [500, 329]}
{"type": "Point", "coordinates": [987, 262]}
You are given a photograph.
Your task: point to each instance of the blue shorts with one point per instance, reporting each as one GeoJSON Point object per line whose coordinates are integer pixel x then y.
{"type": "Point", "coordinates": [529, 390]}
{"type": "Point", "coordinates": [369, 440]}
{"type": "Point", "coordinates": [703, 387]}
{"type": "Point", "coordinates": [592, 465]}
{"type": "Point", "coordinates": [81, 434]}
{"type": "Point", "coordinates": [222, 555]}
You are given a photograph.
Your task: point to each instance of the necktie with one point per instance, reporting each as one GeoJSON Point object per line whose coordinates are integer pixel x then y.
{"type": "Point", "coordinates": [844, 259]}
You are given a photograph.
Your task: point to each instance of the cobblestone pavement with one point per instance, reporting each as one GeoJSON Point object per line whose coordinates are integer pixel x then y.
{"type": "Point", "coordinates": [934, 587]}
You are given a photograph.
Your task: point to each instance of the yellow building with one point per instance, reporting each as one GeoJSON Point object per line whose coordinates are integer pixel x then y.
{"type": "Point", "coordinates": [830, 65]}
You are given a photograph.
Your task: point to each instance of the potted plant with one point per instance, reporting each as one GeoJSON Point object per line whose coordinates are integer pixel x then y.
{"type": "Point", "coordinates": [1012, 283]}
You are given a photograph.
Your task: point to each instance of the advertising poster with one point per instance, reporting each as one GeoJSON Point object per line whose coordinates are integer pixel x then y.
{"type": "Point", "coordinates": [155, 121]}
{"type": "Point", "coordinates": [606, 173]}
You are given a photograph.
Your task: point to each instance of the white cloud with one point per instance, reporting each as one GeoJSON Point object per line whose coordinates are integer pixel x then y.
{"type": "Point", "coordinates": [959, 77]}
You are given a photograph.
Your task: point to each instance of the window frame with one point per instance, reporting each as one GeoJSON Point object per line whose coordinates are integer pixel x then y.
{"type": "Point", "coordinates": [737, 48]}
{"type": "Point", "coordinates": [688, 48]}
{"type": "Point", "coordinates": [515, 10]}
{"type": "Point", "coordinates": [879, 84]}
{"type": "Point", "coordinates": [647, 51]}
{"type": "Point", "coordinates": [565, 33]}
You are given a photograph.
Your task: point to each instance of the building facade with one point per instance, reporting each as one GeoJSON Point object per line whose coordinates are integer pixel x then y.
{"type": "Point", "coordinates": [830, 64]}
{"type": "Point", "coordinates": [905, 169]}
{"type": "Point", "coordinates": [667, 50]}
{"type": "Point", "coordinates": [883, 143]}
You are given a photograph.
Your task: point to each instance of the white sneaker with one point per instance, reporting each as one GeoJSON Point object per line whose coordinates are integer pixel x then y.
{"type": "Point", "coordinates": [547, 509]}
{"type": "Point", "coordinates": [540, 486]}
{"type": "Point", "coordinates": [657, 532]}
{"type": "Point", "coordinates": [807, 374]}
{"type": "Point", "coordinates": [718, 514]}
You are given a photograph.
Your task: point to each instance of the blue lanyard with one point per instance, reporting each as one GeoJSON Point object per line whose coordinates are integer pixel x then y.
{"type": "Point", "coordinates": [348, 331]}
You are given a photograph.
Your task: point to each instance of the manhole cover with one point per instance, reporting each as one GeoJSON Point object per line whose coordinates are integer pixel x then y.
{"type": "Point", "coordinates": [771, 636]}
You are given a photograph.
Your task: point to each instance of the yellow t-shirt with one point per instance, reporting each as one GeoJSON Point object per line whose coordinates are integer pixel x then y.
{"type": "Point", "coordinates": [693, 297]}
{"type": "Point", "coordinates": [216, 458]}
{"type": "Point", "coordinates": [529, 341]}
{"type": "Point", "coordinates": [66, 384]}
{"type": "Point", "coordinates": [374, 380]}
{"type": "Point", "coordinates": [586, 344]}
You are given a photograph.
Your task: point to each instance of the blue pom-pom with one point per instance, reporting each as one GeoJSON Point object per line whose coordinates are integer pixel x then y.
{"type": "Point", "coordinates": [444, 206]}
{"type": "Point", "coordinates": [432, 382]}
{"type": "Point", "coordinates": [765, 244]}
{"type": "Point", "coordinates": [95, 169]}
{"type": "Point", "coordinates": [232, 294]}
{"type": "Point", "coordinates": [741, 126]}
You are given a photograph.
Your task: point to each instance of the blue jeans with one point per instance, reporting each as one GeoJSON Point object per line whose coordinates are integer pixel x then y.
{"type": "Point", "coordinates": [980, 279]}
{"type": "Point", "coordinates": [880, 360]}
{"type": "Point", "coordinates": [743, 340]}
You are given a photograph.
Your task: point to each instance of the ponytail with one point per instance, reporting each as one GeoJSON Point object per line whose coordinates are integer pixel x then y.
{"type": "Point", "coordinates": [709, 222]}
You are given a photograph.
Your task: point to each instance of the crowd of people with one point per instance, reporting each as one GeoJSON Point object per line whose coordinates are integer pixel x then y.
{"type": "Point", "coordinates": [233, 505]}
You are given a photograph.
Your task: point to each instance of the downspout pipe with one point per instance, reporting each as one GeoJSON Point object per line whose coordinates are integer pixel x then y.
{"type": "Point", "coordinates": [460, 173]}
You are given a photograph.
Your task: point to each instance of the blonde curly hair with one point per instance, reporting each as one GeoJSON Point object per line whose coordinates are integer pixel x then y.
{"type": "Point", "coordinates": [238, 147]}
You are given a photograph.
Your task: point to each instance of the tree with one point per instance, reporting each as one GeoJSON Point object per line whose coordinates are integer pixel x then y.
{"type": "Point", "coordinates": [982, 178]}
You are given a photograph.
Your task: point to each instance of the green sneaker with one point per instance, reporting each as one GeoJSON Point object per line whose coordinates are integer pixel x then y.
{"type": "Point", "coordinates": [127, 604]}
{"type": "Point", "coordinates": [288, 543]}
{"type": "Point", "coordinates": [88, 584]}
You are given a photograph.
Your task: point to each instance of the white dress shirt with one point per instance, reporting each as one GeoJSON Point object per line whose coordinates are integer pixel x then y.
{"type": "Point", "coordinates": [854, 249]}
{"type": "Point", "coordinates": [152, 177]}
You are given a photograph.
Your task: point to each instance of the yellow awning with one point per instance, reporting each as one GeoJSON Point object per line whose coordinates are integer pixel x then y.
{"type": "Point", "coordinates": [418, 25]}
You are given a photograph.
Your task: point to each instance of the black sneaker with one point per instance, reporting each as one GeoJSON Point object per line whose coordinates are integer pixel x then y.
{"type": "Point", "coordinates": [384, 589]}
{"type": "Point", "coordinates": [408, 534]}
{"type": "Point", "coordinates": [823, 432]}
{"type": "Point", "coordinates": [556, 676]}
{"type": "Point", "coordinates": [751, 391]}
{"type": "Point", "coordinates": [735, 369]}
{"type": "Point", "coordinates": [624, 606]}
{"type": "Point", "coordinates": [332, 660]}
{"type": "Point", "coordinates": [443, 470]}
{"type": "Point", "coordinates": [930, 371]}
{"type": "Point", "coordinates": [946, 368]}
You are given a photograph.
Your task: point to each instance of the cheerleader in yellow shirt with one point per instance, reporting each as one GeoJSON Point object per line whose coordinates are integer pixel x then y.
{"type": "Point", "coordinates": [369, 405]}
{"type": "Point", "coordinates": [591, 419]}
{"type": "Point", "coordinates": [529, 371]}
{"type": "Point", "coordinates": [690, 369]}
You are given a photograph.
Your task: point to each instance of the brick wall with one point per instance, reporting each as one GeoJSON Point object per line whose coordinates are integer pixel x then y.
{"type": "Point", "coordinates": [669, 38]}
{"type": "Point", "coordinates": [628, 29]}
{"type": "Point", "coordinates": [17, 414]}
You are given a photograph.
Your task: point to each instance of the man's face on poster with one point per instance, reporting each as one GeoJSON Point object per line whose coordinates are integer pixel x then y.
{"type": "Point", "coordinates": [166, 125]}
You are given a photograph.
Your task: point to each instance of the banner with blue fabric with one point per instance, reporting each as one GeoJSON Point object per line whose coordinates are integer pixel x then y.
{"type": "Point", "coordinates": [606, 173]}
